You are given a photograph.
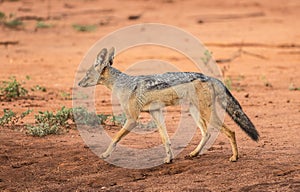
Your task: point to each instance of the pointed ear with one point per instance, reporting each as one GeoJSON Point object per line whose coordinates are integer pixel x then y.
{"type": "Point", "coordinates": [101, 57]}
{"type": "Point", "coordinates": [111, 56]}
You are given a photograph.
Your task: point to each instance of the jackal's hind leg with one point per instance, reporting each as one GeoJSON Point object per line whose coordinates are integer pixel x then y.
{"type": "Point", "coordinates": [203, 128]}
{"type": "Point", "coordinates": [160, 122]}
{"type": "Point", "coordinates": [231, 136]}
{"type": "Point", "coordinates": [129, 125]}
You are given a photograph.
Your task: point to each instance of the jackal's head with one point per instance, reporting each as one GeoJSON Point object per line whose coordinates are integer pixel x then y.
{"type": "Point", "coordinates": [94, 73]}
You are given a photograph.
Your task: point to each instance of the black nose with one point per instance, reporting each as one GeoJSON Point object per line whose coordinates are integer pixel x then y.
{"type": "Point", "coordinates": [80, 84]}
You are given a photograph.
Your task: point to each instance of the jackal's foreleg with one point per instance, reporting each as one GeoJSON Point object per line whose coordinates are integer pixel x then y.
{"type": "Point", "coordinates": [129, 125]}
{"type": "Point", "coordinates": [160, 122]}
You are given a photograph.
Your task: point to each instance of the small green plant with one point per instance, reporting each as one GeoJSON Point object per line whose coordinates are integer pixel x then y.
{"type": "Point", "coordinates": [14, 23]}
{"type": "Point", "coordinates": [65, 95]}
{"type": "Point", "coordinates": [207, 57]}
{"type": "Point", "coordinates": [39, 88]}
{"type": "Point", "coordinates": [25, 113]}
{"type": "Point", "coordinates": [43, 25]}
{"type": "Point", "coordinates": [293, 88]}
{"type": "Point", "coordinates": [63, 115]}
{"type": "Point", "coordinates": [47, 123]}
{"type": "Point", "coordinates": [43, 129]}
{"type": "Point", "coordinates": [80, 95]}
{"type": "Point", "coordinates": [84, 117]}
{"type": "Point", "coordinates": [118, 120]}
{"type": "Point", "coordinates": [7, 117]}
{"type": "Point", "coordinates": [11, 118]}
{"type": "Point", "coordinates": [150, 125]}
{"type": "Point", "coordinates": [265, 81]}
{"type": "Point", "coordinates": [103, 118]}
{"type": "Point", "coordinates": [10, 21]}
{"type": "Point", "coordinates": [228, 83]}
{"type": "Point", "coordinates": [12, 89]}
{"type": "Point", "coordinates": [84, 28]}
{"type": "Point", "coordinates": [2, 16]}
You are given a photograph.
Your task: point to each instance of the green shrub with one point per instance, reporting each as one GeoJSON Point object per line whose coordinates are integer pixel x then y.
{"type": "Point", "coordinates": [10, 21]}
{"type": "Point", "coordinates": [118, 120]}
{"type": "Point", "coordinates": [49, 123]}
{"type": "Point", "coordinates": [11, 118]}
{"type": "Point", "coordinates": [14, 23]}
{"type": "Point", "coordinates": [103, 118]}
{"type": "Point", "coordinates": [12, 89]}
{"type": "Point", "coordinates": [84, 28]}
{"type": "Point", "coordinates": [85, 117]}
{"type": "Point", "coordinates": [41, 25]}
{"type": "Point", "coordinates": [43, 129]}
{"type": "Point", "coordinates": [7, 117]}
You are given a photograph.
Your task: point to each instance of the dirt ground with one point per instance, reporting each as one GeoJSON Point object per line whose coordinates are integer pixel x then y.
{"type": "Point", "coordinates": [268, 32]}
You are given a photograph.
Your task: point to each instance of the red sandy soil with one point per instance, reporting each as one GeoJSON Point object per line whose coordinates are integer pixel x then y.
{"type": "Point", "coordinates": [266, 31]}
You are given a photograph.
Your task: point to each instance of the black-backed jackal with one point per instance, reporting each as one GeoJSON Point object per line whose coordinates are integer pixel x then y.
{"type": "Point", "coordinates": [150, 93]}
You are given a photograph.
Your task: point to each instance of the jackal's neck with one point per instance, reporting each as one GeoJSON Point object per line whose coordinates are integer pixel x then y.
{"type": "Point", "coordinates": [110, 76]}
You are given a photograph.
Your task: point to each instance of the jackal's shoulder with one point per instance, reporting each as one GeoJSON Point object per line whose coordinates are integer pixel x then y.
{"type": "Point", "coordinates": [166, 80]}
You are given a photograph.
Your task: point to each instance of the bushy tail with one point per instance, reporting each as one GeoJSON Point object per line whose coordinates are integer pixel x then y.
{"type": "Point", "coordinates": [234, 110]}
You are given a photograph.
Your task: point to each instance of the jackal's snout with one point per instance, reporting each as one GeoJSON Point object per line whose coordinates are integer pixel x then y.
{"type": "Point", "coordinates": [81, 84]}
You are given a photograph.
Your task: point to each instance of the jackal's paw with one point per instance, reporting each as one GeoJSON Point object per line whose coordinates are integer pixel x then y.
{"type": "Point", "coordinates": [233, 158]}
{"type": "Point", "coordinates": [168, 160]}
{"type": "Point", "coordinates": [193, 154]}
{"type": "Point", "coordinates": [104, 155]}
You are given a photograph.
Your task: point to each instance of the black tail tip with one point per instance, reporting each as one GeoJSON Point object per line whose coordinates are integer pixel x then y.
{"type": "Point", "coordinates": [254, 136]}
